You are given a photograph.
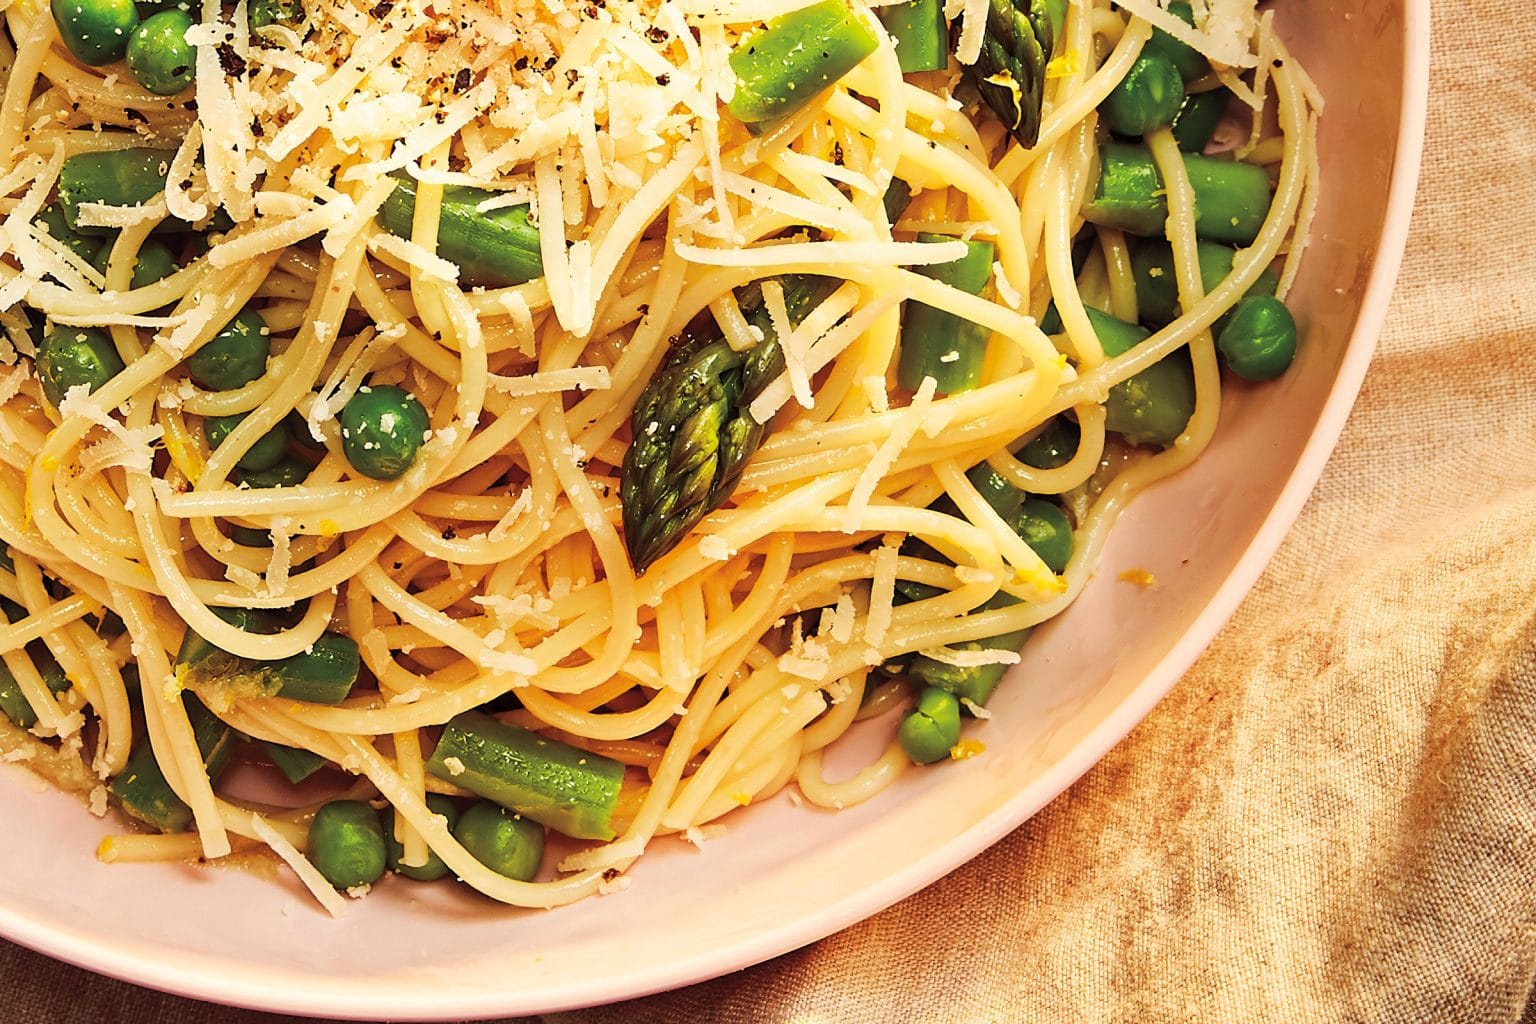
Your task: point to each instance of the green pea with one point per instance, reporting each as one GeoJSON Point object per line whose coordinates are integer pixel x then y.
{"type": "Point", "coordinates": [996, 489]}
{"type": "Point", "coordinates": [434, 868]}
{"type": "Point", "coordinates": [95, 31]}
{"type": "Point", "coordinates": [154, 262]}
{"type": "Point", "coordinates": [382, 429]}
{"type": "Point", "coordinates": [286, 472]}
{"type": "Point", "coordinates": [52, 219]}
{"type": "Point", "coordinates": [1046, 529]}
{"type": "Point", "coordinates": [262, 13]}
{"type": "Point", "coordinates": [72, 356]}
{"type": "Point", "coordinates": [267, 452]}
{"type": "Point", "coordinates": [1259, 341]}
{"type": "Point", "coordinates": [928, 733]}
{"type": "Point", "coordinates": [1148, 97]}
{"type": "Point", "coordinates": [1190, 62]}
{"type": "Point", "coordinates": [159, 55]}
{"type": "Point", "coordinates": [1054, 446]}
{"type": "Point", "coordinates": [347, 844]}
{"type": "Point", "coordinates": [507, 843]}
{"type": "Point", "coordinates": [235, 356]}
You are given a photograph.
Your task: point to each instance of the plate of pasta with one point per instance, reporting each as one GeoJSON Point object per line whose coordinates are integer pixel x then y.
{"type": "Point", "coordinates": [702, 469]}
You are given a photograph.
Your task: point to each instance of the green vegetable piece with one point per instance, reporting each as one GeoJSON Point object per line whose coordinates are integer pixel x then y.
{"type": "Point", "coordinates": [434, 868]}
{"type": "Point", "coordinates": [267, 452]}
{"type": "Point", "coordinates": [786, 64]}
{"type": "Point", "coordinates": [1054, 446]}
{"type": "Point", "coordinates": [324, 674]}
{"type": "Point", "coordinates": [382, 429]}
{"type": "Point", "coordinates": [996, 489]}
{"type": "Point", "coordinates": [235, 356]}
{"type": "Point", "coordinates": [119, 177]}
{"type": "Point", "coordinates": [95, 31]}
{"type": "Point", "coordinates": [1046, 529]}
{"type": "Point", "coordinates": [159, 55]}
{"type": "Point", "coordinates": [296, 763]}
{"type": "Point", "coordinates": [492, 249]}
{"type": "Point", "coordinates": [152, 7]}
{"type": "Point", "coordinates": [1010, 70]}
{"type": "Point", "coordinates": [1154, 406]}
{"type": "Point", "coordinates": [1157, 286]}
{"type": "Point", "coordinates": [898, 196]}
{"type": "Point", "coordinates": [1197, 119]}
{"type": "Point", "coordinates": [1056, 16]}
{"type": "Point", "coordinates": [141, 788]}
{"type": "Point", "coordinates": [75, 356]}
{"type": "Point", "coordinates": [52, 219]}
{"type": "Point", "coordinates": [287, 472]}
{"type": "Point", "coordinates": [154, 262]}
{"type": "Point", "coordinates": [692, 434]}
{"type": "Point", "coordinates": [347, 844]}
{"type": "Point", "coordinates": [261, 13]}
{"type": "Point", "coordinates": [936, 343]}
{"type": "Point", "coordinates": [975, 683]}
{"type": "Point", "coordinates": [250, 537]}
{"type": "Point", "coordinates": [1259, 340]}
{"type": "Point", "coordinates": [920, 32]}
{"type": "Point", "coordinates": [1231, 198]}
{"type": "Point", "coordinates": [507, 843]}
{"type": "Point", "coordinates": [1148, 97]}
{"type": "Point", "coordinates": [928, 733]}
{"type": "Point", "coordinates": [1190, 62]}
{"type": "Point", "coordinates": [572, 791]}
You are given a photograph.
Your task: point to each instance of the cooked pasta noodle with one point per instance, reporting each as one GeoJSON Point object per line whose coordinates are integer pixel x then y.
{"type": "Point", "coordinates": [494, 571]}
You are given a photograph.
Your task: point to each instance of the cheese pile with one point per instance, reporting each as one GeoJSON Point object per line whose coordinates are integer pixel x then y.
{"type": "Point", "coordinates": [595, 112]}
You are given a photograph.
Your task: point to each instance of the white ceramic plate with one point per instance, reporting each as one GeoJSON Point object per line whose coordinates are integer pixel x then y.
{"type": "Point", "coordinates": [783, 876]}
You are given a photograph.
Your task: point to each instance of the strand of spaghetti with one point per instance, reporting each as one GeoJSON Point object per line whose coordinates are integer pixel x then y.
{"type": "Point", "coordinates": [868, 781]}
{"type": "Point", "coordinates": [615, 725]}
{"type": "Point", "coordinates": [21, 632]}
{"type": "Point", "coordinates": [114, 713]}
{"type": "Point", "coordinates": [760, 777]}
{"type": "Point", "coordinates": [1082, 465]}
{"type": "Point", "coordinates": [21, 81]}
{"type": "Point", "coordinates": [787, 708]}
{"type": "Point", "coordinates": [846, 695]}
{"type": "Point", "coordinates": [408, 761]}
{"type": "Point", "coordinates": [170, 734]}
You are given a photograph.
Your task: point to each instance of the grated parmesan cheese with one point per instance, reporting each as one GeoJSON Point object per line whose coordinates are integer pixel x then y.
{"type": "Point", "coordinates": [310, 875]}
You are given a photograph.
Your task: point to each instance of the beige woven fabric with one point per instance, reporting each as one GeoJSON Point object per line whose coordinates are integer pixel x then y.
{"type": "Point", "coordinates": [1333, 817]}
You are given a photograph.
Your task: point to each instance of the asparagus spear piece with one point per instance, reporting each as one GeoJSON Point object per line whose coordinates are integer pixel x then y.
{"type": "Point", "coordinates": [786, 64]}
{"type": "Point", "coordinates": [938, 344]}
{"type": "Point", "coordinates": [921, 35]}
{"type": "Point", "coordinates": [492, 248]}
{"type": "Point", "coordinates": [1010, 71]}
{"type": "Point", "coordinates": [572, 791]}
{"type": "Point", "coordinates": [692, 434]}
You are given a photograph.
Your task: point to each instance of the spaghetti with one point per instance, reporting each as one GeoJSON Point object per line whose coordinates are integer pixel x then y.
{"type": "Point", "coordinates": [491, 571]}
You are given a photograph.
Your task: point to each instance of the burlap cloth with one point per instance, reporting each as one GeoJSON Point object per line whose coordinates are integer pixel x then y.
{"type": "Point", "coordinates": [1333, 817]}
